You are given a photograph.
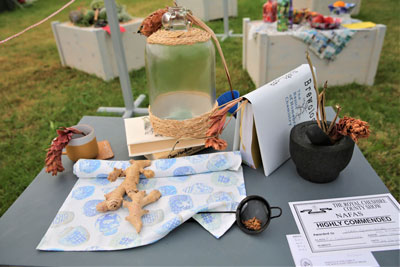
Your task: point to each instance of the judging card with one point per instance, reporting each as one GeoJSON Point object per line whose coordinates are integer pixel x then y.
{"type": "Point", "coordinates": [354, 223]}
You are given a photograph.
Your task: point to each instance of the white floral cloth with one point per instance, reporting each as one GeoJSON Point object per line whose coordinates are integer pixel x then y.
{"type": "Point", "coordinates": [188, 185]}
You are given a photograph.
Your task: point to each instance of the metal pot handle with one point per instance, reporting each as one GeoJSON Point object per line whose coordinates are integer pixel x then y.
{"type": "Point", "coordinates": [276, 216]}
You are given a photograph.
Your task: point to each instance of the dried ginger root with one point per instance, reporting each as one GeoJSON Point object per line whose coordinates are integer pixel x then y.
{"type": "Point", "coordinates": [112, 176]}
{"type": "Point", "coordinates": [139, 200]}
{"type": "Point", "coordinates": [114, 199]}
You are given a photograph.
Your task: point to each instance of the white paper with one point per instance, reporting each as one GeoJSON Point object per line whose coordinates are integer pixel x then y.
{"type": "Point", "coordinates": [277, 107]}
{"type": "Point", "coordinates": [355, 223]}
{"type": "Point", "coordinates": [302, 256]}
{"type": "Point", "coordinates": [188, 185]}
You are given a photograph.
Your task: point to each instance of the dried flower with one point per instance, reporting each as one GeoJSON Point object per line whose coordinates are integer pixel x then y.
{"type": "Point", "coordinates": [354, 128]}
{"type": "Point", "coordinates": [253, 224]}
{"type": "Point", "coordinates": [216, 143]}
{"type": "Point", "coordinates": [217, 123]}
{"type": "Point", "coordinates": [152, 23]}
{"type": "Point", "coordinates": [53, 157]}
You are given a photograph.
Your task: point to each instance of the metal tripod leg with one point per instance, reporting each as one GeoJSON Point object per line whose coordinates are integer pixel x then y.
{"type": "Point", "coordinates": [227, 33]}
{"type": "Point", "coordinates": [131, 107]}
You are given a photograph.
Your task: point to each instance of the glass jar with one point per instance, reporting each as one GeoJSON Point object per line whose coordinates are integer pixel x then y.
{"type": "Point", "coordinates": [181, 78]}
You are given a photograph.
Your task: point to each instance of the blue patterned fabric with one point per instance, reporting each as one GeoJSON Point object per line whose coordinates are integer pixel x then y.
{"type": "Point", "coordinates": [187, 185]}
{"type": "Point", "coordinates": [326, 44]}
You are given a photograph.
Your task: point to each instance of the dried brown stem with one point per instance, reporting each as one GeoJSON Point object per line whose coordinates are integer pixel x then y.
{"type": "Point", "coordinates": [322, 108]}
{"type": "Point", "coordinates": [96, 14]}
{"type": "Point", "coordinates": [338, 108]}
{"type": "Point", "coordinates": [318, 122]}
{"type": "Point", "coordinates": [239, 108]}
{"type": "Point", "coordinates": [315, 87]}
{"type": "Point", "coordinates": [204, 26]}
{"type": "Point", "coordinates": [312, 72]}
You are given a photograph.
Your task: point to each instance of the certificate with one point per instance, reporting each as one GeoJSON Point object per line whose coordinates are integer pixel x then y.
{"type": "Point", "coordinates": [302, 255]}
{"type": "Point", "coordinates": [364, 223]}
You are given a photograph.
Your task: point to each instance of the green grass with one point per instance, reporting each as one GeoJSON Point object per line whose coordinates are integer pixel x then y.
{"type": "Point", "coordinates": [37, 95]}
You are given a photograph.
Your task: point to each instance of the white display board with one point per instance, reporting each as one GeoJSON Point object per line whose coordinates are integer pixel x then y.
{"type": "Point", "coordinates": [209, 9]}
{"type": "Point", "coordinates": [90, 49]}
{"type": "Point", "coordinates": [272, 54]}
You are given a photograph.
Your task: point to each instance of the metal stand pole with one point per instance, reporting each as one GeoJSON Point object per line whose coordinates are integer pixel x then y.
{"type": "Point", "coordinates": [131, 107]}
{"type": "Point", "coordinates": [227, 33]}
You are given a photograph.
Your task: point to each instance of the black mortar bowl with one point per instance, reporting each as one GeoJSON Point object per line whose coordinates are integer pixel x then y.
{"type": "Point", "coordinates": [318, 163]}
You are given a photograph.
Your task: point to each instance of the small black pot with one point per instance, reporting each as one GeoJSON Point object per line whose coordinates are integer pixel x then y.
{"type": "Point", "coordinates": [318, 163]}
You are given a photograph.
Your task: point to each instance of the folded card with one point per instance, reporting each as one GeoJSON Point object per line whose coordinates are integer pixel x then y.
{"type": "Point", "coordinates": [276, 107]}
{"type": "Point", "coordinates": [249, 147]}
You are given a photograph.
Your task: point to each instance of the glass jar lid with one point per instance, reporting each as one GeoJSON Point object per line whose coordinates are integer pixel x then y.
{"type": "Point", "coordinates": [175, 19]}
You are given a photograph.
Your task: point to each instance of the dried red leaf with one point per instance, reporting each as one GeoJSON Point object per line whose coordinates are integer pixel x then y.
{"type": "Point", "coordinates": [217, 122]}
{"type": "Point", "coordinates": [72, 131]}
{"type": "Point", "coordinates": [53, 158]}
{"type": "Point", "coordinates": [216, 128]}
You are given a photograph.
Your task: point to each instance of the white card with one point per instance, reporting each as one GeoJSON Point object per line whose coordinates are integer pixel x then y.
{"type": "Point", "coordinates": [353, 223]}
{"type": "Point", "coordinates": [302, 256]}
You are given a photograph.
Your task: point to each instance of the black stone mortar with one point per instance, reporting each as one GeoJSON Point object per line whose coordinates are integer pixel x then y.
{"type": "Point", "coordinates": [318, 163]}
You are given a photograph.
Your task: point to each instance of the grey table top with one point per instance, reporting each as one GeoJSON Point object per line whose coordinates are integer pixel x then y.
{"type": "Point", "coordinates": [26, 221]}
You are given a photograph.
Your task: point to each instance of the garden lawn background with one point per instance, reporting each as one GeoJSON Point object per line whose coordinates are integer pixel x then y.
{"type": "Point", "coordinates": [37, 95]}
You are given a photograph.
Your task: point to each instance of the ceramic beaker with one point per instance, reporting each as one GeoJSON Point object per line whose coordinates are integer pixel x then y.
{"type": "Point", "coordinates": [82, 146]}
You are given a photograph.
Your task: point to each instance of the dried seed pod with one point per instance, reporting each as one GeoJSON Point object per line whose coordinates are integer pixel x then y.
{"type": "Point", "coordinates": [152, 23]}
